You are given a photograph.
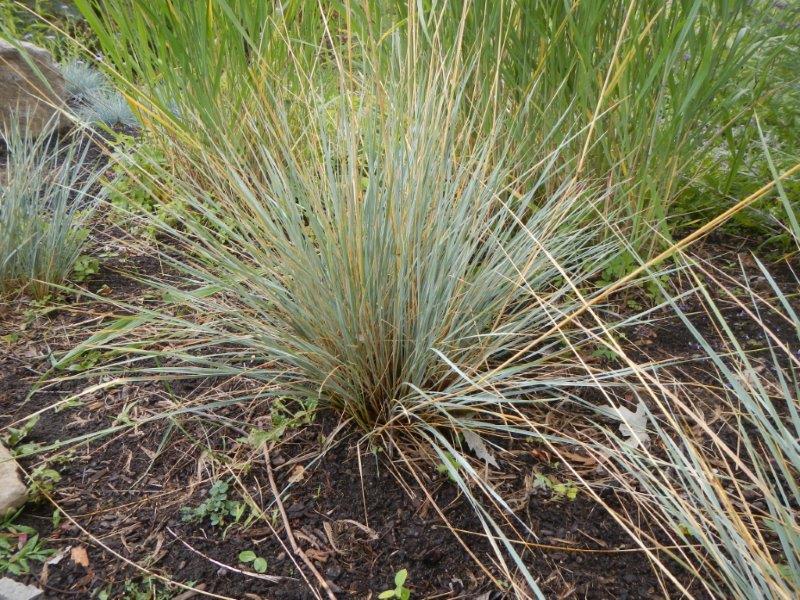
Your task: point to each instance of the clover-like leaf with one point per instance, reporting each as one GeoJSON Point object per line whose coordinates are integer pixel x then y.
{"type": "Point", "coordinates": [259, 565]}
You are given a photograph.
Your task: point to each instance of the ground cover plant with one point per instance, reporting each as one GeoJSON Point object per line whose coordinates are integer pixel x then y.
{"type": "Point", "coordinates": [415, 300]}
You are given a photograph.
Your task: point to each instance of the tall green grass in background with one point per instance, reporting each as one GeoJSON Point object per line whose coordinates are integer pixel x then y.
{"type": "Point", "coordinates": [647, 91]}
{"type": "Point", "coordinates": [653, 85]}
{"type": "Point", "coordinates": [737, 163]}
{"type": "Point", "coordinates": [210, 60]}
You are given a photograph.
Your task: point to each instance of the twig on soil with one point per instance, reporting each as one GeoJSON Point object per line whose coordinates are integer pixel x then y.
{"type": "Point", "coordinates": [289, 535]}
{"type": "Point", "coordinates": [190, 593]}
{"type": "Point", "coordinates": [270, 578]}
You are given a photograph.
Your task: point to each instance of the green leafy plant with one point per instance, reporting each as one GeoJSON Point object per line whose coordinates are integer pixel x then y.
{"type": "Point", "coordinates": [258, 562]}
{"type": "Point", "coordinates": [40, 307]}
{"type": "Point", "coordinates": [217, 508]}
{"type": "Point", "coordinates": [605, 353]}
{"type": "Point", "coordinates": [282, 419]}
{"type": "Point", "coordinates": [84, 362]}
{"type": "Point", "coordinates": [43, 481]}
{"type": "Point", "coordinates": [147, 588]}
{"type": "Point", "coordinates": [566, 490]}
{"type": "Point", "coordinates": [400, 592]}
{"type": "Point", "coordinates": [19, 546]}
{"type": "Point", "coordinates": [131, 188]}
{"type": "Point", "coordinates": [449, 464]}
{"type": "Point", "coordinates": [85, 267]}
{"type": "Point", "coordinates": [14, 435]}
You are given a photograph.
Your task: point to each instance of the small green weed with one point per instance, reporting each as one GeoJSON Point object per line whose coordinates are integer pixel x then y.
{"type": "Point", "coordinates": [40, 307]}
{"type": "Point", "coordinates": [448, 467]}
{"type": "Point", "coordinates": [84, 267]}
{"type": "Point", "coordinates": [19, 545]}
{"type": "Point", "coordinates": [135, 165]}
{"type": "Point", "coordinates": [85, 361]}
{"type": "Point", "coordinates": [43, 481]}
{"type": "Point", "coordinates": [43, 478]}
{"type": "Point", "coordinates": [15, 435]}
{"type": "Point", "coordinates": [606, 353]}
{"type": "Point", "coordinates": [259, 563]}
{"type": "Point", "coordinates": [400, 592]}
{"type": "Point", "coordinates": [282, 419]}
{"type": "Point", "coordinates": [217, 508]}
{"type": "Point", "coordinates": [148, 588]}
{"type": "Point", "coordinates": [10, 338]}
{"type": "Point", "coordinates": [566, 490]}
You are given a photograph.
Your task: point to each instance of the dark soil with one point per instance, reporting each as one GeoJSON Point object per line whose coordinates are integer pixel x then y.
{"type": "Point", "coordinates": [125, 492]}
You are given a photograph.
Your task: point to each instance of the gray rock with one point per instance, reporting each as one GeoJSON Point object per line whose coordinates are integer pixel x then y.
{"type": "Point", "coordinates": [13, 492]}
{"type": "Point", "coordinates": [31, 88]}
{"type": "Point", "coordinates": [13, 590]}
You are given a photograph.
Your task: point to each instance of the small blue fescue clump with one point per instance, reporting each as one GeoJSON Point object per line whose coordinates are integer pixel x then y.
{"type": "Point", "coordinates": [94, 100]}
{"type": "Point", "coordinates": [82, 81]}
{"type": "Point", "coordinates": [46, 200]}
{"type": "Point", "coordinates": [108, 107]}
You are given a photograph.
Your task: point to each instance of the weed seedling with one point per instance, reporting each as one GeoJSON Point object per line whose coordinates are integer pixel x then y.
{"type": "Point", "coordinates": [400, 592]}
{"type": "Point", "coordinates": [147, 588]}
{"type": "Point", "coordinates": [85, 361]}
{"type": "Point", "coordinates": [566, 490]}
{"type": "Point", "coordinates": [259, 563]}
{"type": "Point", "coordinates": [16, 435]}
{"type": "Point", "coordinates": [84, 267]}
{"type": "Point", "coordinates": [606, 354]}
{"type": "Point", "coordinates": [19, 545]}
{"type": "Point", "coordinates": [448, 467]}
{"type": "Point", "coordinates": [10, 339]}
{"type": "Point", "coordinates": [43, 482]}
{"type": "Point", "coordinates": [217, 507]}
{"type": "Point", "coordinates": [40, 307]}
{"type": "Point", "coordinates": [282, 420]}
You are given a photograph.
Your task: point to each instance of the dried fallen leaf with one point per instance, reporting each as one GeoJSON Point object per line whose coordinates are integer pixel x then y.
{"type": "Point", "coordinates": [476, 444]}
{"type": "Point", "coordinates": [318, 555]}
{"type": "Point", "coordinates": [57, 558]}
{"type": "Point", "coordinates": [634, 425]}
{"type": "Point", "coordinates": [79, 556]}
{"type": "Point", "coordinates": [298, 473]}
